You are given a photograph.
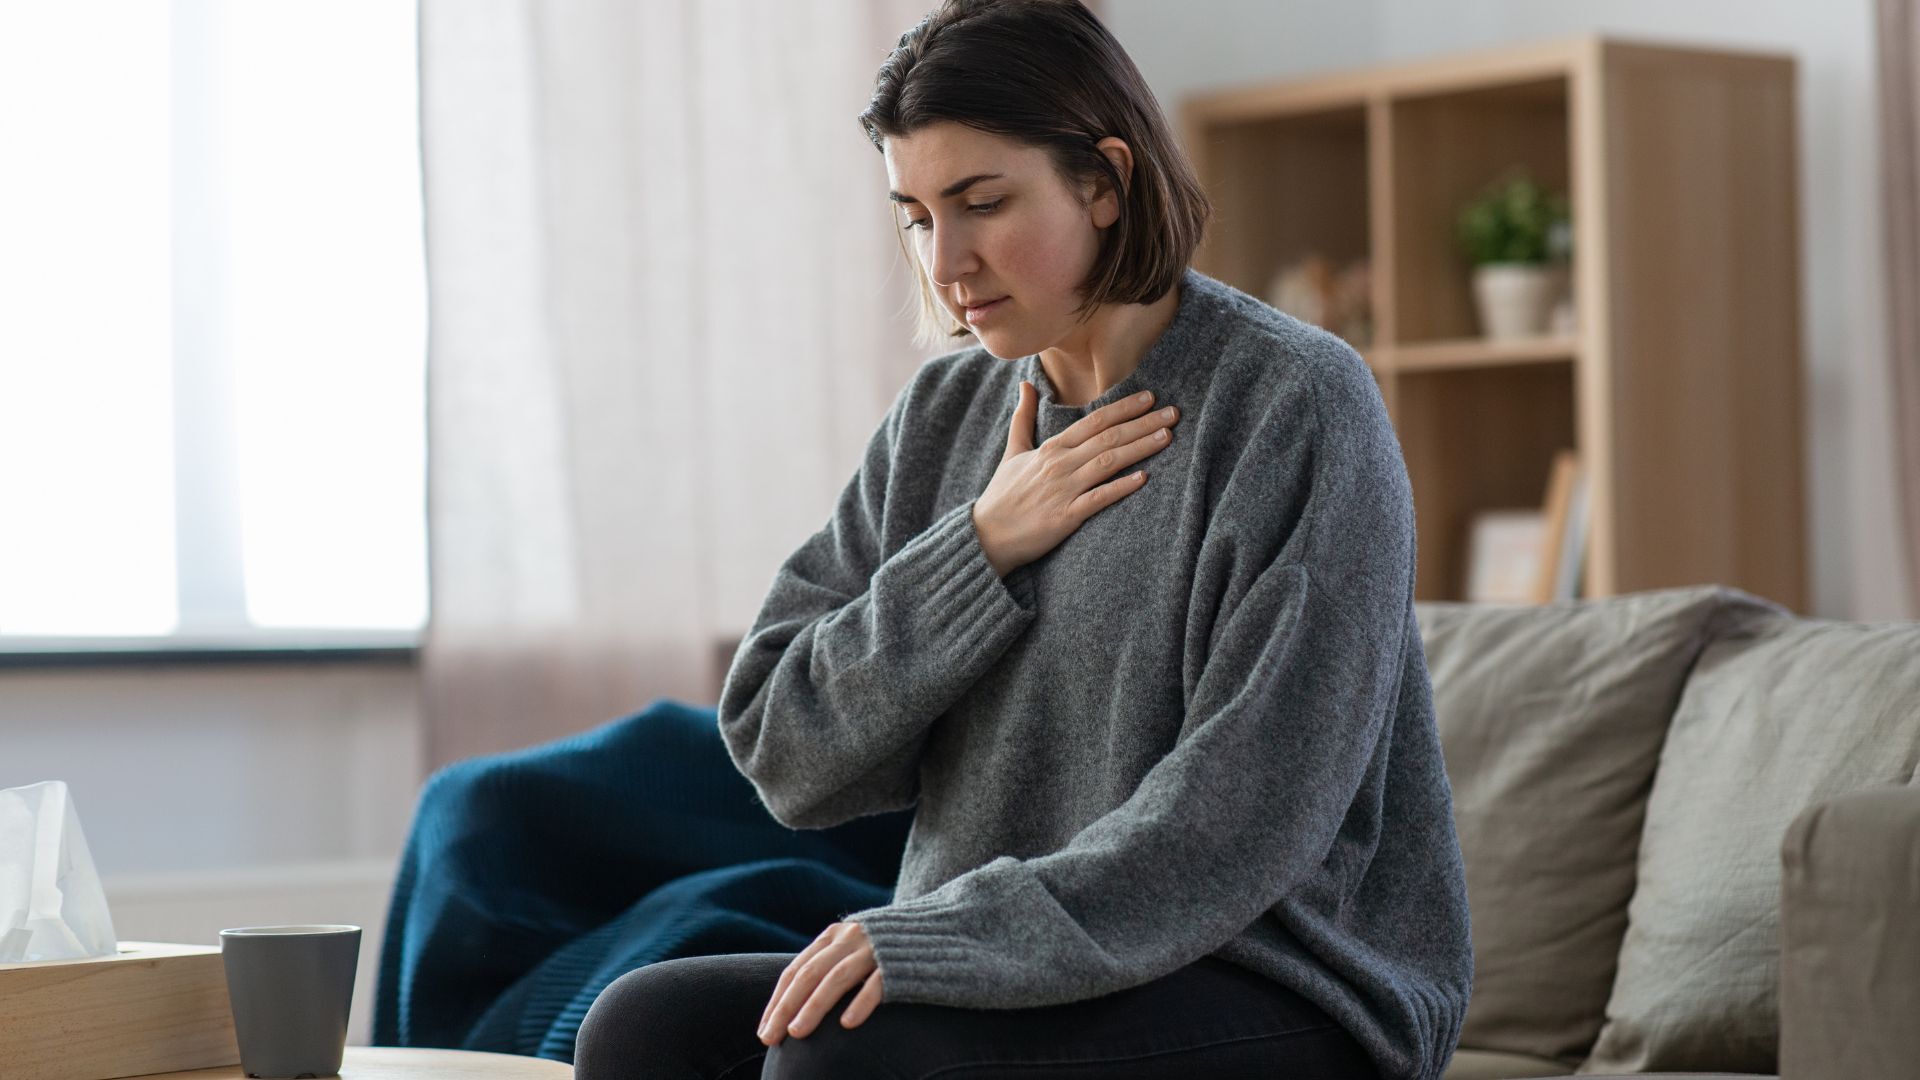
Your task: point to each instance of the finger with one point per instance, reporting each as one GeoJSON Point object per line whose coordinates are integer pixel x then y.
{"type": "Point", "coordinates": [1142, 426]}
{"type": "Point", "coordinates": [786, 978]}
{"type": "Point", "coordinates": [1020, 437]}
{"type": "Point", "coordinates": [1101, 461]}
{"type": "Point", "coordinates": [864, 1002]}
{"type": "Point", "coordinates": [828, 993]}
{"type": "Point", "coordinates": [806, 977]}
{"type": "Point", "coordinates": [779, 988]}
{"type": "Point", "coordinates": [1101, 454]}
{"type": "Point", "coordinates": [1093, 500]}
{"type": "Point", "coordinates": [785, 1005]}
{"type": "Point", "coordinates": [1106, 416]}
{"type": "Point", "coordinates": [828, 988]}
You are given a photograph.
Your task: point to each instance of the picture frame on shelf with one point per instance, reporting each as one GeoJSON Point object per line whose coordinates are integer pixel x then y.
{"type": "Point", "coordinates": [1528, 555]}
{"type": "Point", "coordinates": [1564, 545]}
{"type": "Point", "coordinates": [1503, 556]}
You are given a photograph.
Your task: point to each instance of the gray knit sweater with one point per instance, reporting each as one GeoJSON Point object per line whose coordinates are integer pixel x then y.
{"type": "Point", "coordinates": [1201, 724]}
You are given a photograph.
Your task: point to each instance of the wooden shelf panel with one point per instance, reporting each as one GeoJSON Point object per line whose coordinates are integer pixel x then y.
{"type": "Point", "coordinates": [1500, 66]}
{"type": "Point", "coordinates": [1466, 353]}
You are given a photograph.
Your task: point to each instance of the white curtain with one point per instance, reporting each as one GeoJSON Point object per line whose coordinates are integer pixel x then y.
{"type": "Point", "coordinates": [1897, 44]}
{"type": "Point", "coordinates": [666, 310]}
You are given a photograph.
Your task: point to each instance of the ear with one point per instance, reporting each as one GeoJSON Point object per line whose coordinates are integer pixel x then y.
{"type": "Point", "coordinates": [1106, 204]}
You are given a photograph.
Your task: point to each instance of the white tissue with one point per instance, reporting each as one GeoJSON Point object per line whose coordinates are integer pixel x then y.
{"type": "Point", "coordinates": [50, 893]}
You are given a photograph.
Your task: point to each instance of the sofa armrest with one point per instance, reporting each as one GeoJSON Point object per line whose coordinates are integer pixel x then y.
{"type": "Point", "coordinates": [1850, 937]}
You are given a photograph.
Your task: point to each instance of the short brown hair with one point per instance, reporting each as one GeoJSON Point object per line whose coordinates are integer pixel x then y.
{"type": "Point", "coordinates": [1048, 74]}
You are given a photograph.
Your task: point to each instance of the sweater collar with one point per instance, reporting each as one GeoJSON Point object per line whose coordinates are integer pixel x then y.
{"type": "Point", "coordinates": [1166, 367]}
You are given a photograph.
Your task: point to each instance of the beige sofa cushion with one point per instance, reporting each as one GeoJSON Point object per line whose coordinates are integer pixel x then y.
{"type": "Point", "coordinates": [1849, 939]}
{"type": "Point", "coordinates": [1780, 715]}
{"type": "Point", "coordinates": [1494, 1065]}
{"type": "Point", "coordinates": [1551, 719]}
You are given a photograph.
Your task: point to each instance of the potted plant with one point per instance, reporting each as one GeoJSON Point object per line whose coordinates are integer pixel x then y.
{"type": "Point", "coordinates": [1517, 237]}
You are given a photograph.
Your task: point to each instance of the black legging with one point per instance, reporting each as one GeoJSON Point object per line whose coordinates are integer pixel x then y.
{"type": "Point", "coordinates": [695, 1017]}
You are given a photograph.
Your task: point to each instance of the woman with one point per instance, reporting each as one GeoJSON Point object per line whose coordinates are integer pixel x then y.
{"type": "Point", "coordinates": [1180, 806]}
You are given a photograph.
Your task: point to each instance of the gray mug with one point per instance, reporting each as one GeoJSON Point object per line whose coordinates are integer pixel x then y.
{"type": "Point", "coordinates": [291, 988]}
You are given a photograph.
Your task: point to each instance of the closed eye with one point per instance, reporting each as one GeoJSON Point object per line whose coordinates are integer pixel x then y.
{"type": "Point", "coordinates": [984, 208]}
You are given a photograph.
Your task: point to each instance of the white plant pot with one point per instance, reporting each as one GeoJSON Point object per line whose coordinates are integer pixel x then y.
{"type": "Point", "coordinates": [1514, 299]}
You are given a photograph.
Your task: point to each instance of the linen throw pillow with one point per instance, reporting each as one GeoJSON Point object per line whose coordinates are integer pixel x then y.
{"type": "Point", "coordinates": [1785, 713]}
{"type": "Point", "coordinates": [1551, 719]}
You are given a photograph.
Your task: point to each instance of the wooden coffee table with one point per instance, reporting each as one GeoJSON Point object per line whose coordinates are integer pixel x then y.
{"type": "Point", "coordinates": [410, 1063]}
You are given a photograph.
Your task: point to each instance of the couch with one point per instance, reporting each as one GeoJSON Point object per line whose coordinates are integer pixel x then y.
{"type": "Point", "coordinates": [1690, 822]}
{"type": "Point", "coordinates": [1691, 828]}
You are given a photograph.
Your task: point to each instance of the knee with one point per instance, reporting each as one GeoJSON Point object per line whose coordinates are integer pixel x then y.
{"type": "Point", "coordinates": [609, 1044]}
{"type": "Point", "coordinates": [831, 1052]}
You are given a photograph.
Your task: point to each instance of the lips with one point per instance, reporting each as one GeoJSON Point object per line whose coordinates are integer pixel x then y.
{"type": "Point", "coordinates": [979, 307]}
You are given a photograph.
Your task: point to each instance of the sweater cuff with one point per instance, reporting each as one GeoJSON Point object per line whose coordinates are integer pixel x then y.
{"type": "Point", "coordinates": [919, 946]}
{"type": "Point", "coordinates": [956, 592]}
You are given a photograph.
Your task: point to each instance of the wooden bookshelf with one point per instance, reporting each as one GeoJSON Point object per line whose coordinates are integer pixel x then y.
{"type": "Point", "coordinates": [1679, 388]}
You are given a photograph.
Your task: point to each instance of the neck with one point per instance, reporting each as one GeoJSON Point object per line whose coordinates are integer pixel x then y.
{"type": "Point", "coordinates": [1107, 348]}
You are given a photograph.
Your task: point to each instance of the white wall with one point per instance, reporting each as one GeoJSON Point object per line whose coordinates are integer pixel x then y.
{"type": "Point", "coordinates": [229, 795]}
{"type": "Point", "coordinates": [1853, 508]}
{"type": "Point", "coordinates": [195, 767]}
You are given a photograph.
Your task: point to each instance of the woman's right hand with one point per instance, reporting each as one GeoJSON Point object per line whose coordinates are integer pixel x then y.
{"type": "Point", "coordinates": [1039, 496]}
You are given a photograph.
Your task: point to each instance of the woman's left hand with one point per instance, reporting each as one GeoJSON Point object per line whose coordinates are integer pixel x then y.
{"type": "Point", "coordinates": [838, 960]}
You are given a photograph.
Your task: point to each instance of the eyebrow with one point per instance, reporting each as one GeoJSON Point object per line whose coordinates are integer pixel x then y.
{"type": "Point", "coordinates": [951, 190]}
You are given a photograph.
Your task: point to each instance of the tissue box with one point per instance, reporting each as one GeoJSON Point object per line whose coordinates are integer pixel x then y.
{"type": "Point", "coordinates": [152, 1008]}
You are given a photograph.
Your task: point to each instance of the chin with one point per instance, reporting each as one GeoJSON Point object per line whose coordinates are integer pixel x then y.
{"type": "Point", "coordinates": [1000, 345]}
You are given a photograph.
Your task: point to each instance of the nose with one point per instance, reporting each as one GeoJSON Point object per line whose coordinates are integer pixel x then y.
{"type": "Point", "coordinates": [950, 256]}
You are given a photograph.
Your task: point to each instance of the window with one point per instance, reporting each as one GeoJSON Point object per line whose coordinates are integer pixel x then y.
{"type": "Point", "coordinates": [212, 325]}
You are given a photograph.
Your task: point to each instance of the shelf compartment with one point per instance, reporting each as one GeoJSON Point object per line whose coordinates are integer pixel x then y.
{"type": "Point", "coordinates": [1476, 439]}
{"type": "Point", "coordinates": [1284, 187]}
{"type": "Point", "coordinates": [1446, 149]}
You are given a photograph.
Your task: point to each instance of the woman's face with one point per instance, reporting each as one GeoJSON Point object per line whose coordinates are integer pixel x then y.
{"type": "Point", "coordinates": [991, 221]}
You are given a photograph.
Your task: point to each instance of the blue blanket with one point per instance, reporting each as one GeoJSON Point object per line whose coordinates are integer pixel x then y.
{"type": "Point", "coordinates": [532, 879]}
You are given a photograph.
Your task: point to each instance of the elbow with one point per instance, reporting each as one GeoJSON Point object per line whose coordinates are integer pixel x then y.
{"type": "Point", "coordinates": [795, 813]}
{"type": "Point", "coordinates": [814, 808]}
{"type": "Point", "coordinates": [781, 802]}
{"type": "Point", "coordinates": [740, 730]}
